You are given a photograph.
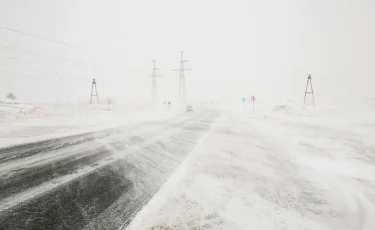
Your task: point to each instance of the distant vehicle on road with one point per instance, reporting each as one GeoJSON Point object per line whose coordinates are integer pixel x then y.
{"type": "Point", "coordinates": [189, 108]}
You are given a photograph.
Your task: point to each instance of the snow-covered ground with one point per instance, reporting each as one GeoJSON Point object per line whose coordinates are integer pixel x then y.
{"type": "Point", "coordinates": [22, 122]}
{"type": "Point", "coordinates": [279, 169]}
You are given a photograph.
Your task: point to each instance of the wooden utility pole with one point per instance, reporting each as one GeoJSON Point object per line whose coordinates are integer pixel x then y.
{"type": "Point", "coordinates": [309, 92]}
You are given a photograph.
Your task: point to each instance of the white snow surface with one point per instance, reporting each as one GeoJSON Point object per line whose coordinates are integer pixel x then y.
{"type": "Point", "coordinates": [282, 169]}
{"type": "Point", "coordinates": [22, 122]}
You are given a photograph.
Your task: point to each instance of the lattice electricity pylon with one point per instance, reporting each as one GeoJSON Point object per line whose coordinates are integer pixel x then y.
{"type": "Point", "coordinates": [154, 93]}
{"type": "Point", "coordinates": [307, 92]}
{"type": "Point", "coordinates": [92, 92]}
{"type": "Point", "coordinates": [182, 88]}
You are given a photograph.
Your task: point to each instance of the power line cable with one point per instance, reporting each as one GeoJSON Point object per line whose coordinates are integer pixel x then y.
{"type": "Point", "coordinates": [3, 56]}
{"type": "Point", "coordinates": [25, 60]}
{"type": "Point", "coordinates": [37, 36]}
{"type": "Point", "coordinates": [25, 74]}
{"type": "Point", "coordinates": [41, 77]}
{"type": "Point", "coordinates": [72, 77]}
{"type": "Point", "coordinates": [54, 57]}
{"type": "Point", "coordinates": [21, 59]}
{"type": "Point", "coordinates": [55, 41]}
{"type": "Point", "coordinates": [44, 55]}
{"type": "Point", "coordinates": [26, 68]}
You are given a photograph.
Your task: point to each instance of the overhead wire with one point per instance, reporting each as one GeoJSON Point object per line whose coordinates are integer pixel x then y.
{"type": "Point", "coordinates": [57, 58]}
{"type": "Point", "coordinates": [37, 70]}
{"type": "Point", "coordinates": [37, 36]}
{"type": "Point", "coordinates": [55, 74]}
{"type": "Point", "coordinates": [50, 56]}
{"type": "Point", "coordinates": [57, 42]}
{"type": "Point", "coordinates": [24, 74]}
{"type": "Point", "coordinates": [44, 55]}
{"type": "Point", "coordinates": [4, 56]}
{"type": "Point", "coordinates": [39, 76]}
{"type": "Point", "coordinates": [24, 60]}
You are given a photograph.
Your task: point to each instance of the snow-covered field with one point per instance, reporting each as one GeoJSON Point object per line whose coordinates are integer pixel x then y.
{"type": "Point", "coordinates": [22, 122]}
{"type": "Point", "coordinates": [281, 169]}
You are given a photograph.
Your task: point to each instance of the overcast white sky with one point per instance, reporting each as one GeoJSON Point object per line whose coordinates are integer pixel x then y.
{"type": "Point", "coordinates": [236, 48]}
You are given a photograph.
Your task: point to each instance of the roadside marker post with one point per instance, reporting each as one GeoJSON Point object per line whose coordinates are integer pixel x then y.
{"type": "Point", "coordinates": [169, 104]}
{"type": "Point", "coordinates": [253, 99]}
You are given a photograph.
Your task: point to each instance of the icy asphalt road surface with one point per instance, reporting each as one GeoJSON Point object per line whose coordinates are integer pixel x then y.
{"type": "Point", "coordinates": [95, 180]}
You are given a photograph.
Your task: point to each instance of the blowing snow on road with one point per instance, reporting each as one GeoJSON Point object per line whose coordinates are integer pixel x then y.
{"type": "Point", "coordinates": [211, 169]}
{"type": "Point", "coordinates": [93, 180]}
{"type": "Point", "coordinates": [187, 115]}
{"type": "Point", "coordinates": [272, 172]}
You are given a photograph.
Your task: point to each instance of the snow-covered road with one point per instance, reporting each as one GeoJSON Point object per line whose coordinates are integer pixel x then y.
{"type": "Point", "coordinates": [201, 170]}
{"type": "Point", "coordinates": [272, 172]}
{"type": "Point", "coordinates": [96, 180]}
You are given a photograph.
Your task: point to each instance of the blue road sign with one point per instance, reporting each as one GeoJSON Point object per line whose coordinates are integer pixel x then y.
{"type": "Point", "coordinates": [243, 99]}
